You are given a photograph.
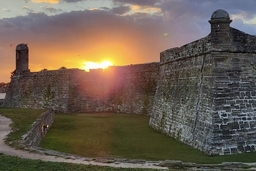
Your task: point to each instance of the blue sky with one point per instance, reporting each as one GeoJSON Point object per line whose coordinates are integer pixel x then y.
{"type": "Point", "coordinates": [13, 8]}
{"type": "Point", "coordinates": [70, 32]}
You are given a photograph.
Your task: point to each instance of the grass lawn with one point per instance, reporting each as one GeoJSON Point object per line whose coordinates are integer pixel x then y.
{"type": "Point", "coordinates": [22, 120]}
{"type": "Point", "coordinates": [111, 135]}
{"type": "Point", "coordinates": [125, 136]}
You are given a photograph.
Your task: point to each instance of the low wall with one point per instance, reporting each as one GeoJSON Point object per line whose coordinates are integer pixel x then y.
{"type": "Point", "coordinates": [39, 129]}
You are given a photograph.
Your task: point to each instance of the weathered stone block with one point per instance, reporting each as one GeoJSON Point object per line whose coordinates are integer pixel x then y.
{"type": "Point", "coordinates": [233, 126]}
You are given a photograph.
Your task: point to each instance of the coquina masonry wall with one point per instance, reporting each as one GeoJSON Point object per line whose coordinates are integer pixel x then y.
{"type": "Point", "coordinates": [40, 90]}
{"type": "Point", "coordinates": [206, 93]}
{"type": "Point", "coordinates": [183, 102]}
{"type": "Point", "coordinates": [128, 89]}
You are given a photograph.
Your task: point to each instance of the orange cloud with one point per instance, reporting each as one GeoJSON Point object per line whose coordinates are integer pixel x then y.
{"type": "Point", "coordinates": [145, 9]}
{"type": "Point", "coordinates": [46, 1]}
{"type": "Point", "coordinates": [102, 36]}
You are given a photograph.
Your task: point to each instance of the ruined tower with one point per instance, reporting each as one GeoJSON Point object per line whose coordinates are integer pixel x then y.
{"type": "Point", "coordinates": [21, 58]}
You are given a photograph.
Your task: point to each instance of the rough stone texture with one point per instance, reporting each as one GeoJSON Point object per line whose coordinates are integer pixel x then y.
{"type": "Point", "coordinates": [183, 104]}
{"type": "Point", "coordinates": [39, 129]}
{"type": "Point", "coordinates": [21, 59]}
{"type": "Point", "coordinates": [206, 92]}
{"type": "Point", "coordinates": [128, 89]}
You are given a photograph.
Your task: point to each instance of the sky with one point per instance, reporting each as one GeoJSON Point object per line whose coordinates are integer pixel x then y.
{"type": "Point", "coordinates": [69, 33]}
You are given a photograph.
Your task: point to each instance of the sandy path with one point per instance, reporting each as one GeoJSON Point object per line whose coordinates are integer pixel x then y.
{"type": "Point", "coordinates": [7, 150]}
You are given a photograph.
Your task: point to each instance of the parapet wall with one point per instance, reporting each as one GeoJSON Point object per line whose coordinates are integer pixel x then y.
{"type": "Point", "coordinates": [196, 48]}
{"type": "Point", "coordinates": [46, 89]}
{"type": "Point", "coordinates": [39, 129]}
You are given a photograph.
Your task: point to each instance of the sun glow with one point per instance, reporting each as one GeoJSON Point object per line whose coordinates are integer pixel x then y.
{"type": "Point", "coordinates": [46, 1]}
{"type": "Point", "coordinates": [96, 65]}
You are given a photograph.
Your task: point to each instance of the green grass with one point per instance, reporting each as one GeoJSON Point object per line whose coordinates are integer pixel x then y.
{"type": "Point", "coordinates": [22, 120]}
{"type": "Point", "coordinates": [111, 135]}
{"type": "Point", "coordinates": [125, 136]}
{"type": "Point", "coordinates": [8, 163]}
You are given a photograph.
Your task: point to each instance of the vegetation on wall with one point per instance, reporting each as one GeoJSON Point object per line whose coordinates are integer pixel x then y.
{"type": "Point", "coordinates": [49, 95]}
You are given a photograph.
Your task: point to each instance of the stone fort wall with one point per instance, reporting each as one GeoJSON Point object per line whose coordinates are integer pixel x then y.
{"type": "Point", "coordinates": [203, 93]}
{"type": "Point", "coordinates": [206, 92]}
{"type": "Point", "coordinates": [128, 89]}
{"type": "Point", "coordinates": [183, 102]}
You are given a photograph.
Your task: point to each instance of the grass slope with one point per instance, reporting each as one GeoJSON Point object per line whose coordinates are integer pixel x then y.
{"type": "Point", "coordinates": [111, 135]}
{"type": "Point", "coordinates": [125, 136]}
{"type": "Point", "coordinates": [22, 120]}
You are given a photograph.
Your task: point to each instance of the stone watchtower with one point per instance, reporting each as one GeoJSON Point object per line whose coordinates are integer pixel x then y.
{"type": "Point", "coordinates": [220, 29]}
{"type": "Point", "coordinates": [21, 59]}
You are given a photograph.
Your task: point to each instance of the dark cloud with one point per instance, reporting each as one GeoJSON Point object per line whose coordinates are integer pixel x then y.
{"type": "Point", "coordinates": [68, 38]}
{"type": "Point", "coordinates": [195, 14]}
{"type": "Point", "coordinates": [120, 10]}
{"type": "Point", "coordinates": [64, 39]}
{"type": "Point", "coordinates": [137, 2]}
{"type": "Point", "coordinates": [204, 8]}
{"type": "Point", "coordinates": [6, 25]}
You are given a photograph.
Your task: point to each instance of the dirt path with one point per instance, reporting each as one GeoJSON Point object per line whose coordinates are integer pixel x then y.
{"type": "Point", "coordinates": [7, 150]}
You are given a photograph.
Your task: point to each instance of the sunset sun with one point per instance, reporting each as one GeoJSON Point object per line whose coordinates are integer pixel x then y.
{"type": "Point", "coordinates": [96, 65]}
